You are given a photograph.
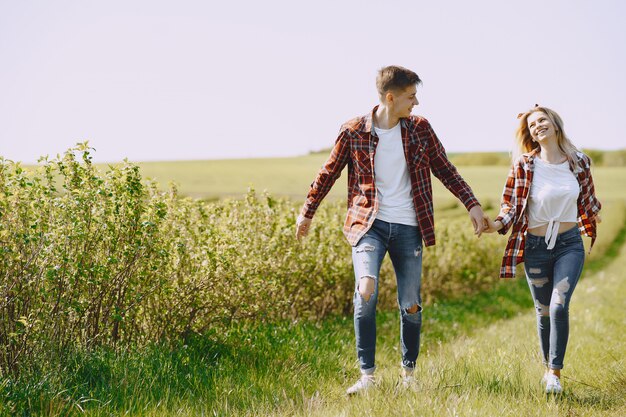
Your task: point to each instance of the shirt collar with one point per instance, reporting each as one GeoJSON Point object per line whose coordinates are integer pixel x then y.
{"type": "Point", "coordinates": [531, 157]}
{"type": "Point", "coordinates": [369, 121]}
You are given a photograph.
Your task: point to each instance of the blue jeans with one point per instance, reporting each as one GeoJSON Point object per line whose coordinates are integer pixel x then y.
{"type": "Point", "coordinates": [552, 276]}
{"type": "Point", "coordinates": [404, 244]}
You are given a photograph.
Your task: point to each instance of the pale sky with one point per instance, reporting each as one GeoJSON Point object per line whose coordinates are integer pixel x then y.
{"type": "Point", "coordinates": [191, 79]}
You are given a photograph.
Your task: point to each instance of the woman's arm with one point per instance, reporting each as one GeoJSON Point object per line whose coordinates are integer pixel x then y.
{"type": "Point", "coordinates": [505, 218]}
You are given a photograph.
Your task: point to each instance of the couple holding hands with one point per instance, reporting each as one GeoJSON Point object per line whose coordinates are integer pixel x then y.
{"type": "Point", "coordinates": [547, 203]}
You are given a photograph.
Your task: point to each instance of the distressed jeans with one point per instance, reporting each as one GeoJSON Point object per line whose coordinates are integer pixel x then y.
{"type": "Point", "coordinates": [552, 276]}
{"type": "Point", "coordinates": [404, 244]}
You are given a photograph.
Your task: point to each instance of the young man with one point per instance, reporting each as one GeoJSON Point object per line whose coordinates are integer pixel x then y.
{"type": "Point", "coordinates": [390, 155]}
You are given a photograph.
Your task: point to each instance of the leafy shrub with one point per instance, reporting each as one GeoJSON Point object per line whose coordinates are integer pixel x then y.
{"type": "Point", "coordinates": [91, 258]}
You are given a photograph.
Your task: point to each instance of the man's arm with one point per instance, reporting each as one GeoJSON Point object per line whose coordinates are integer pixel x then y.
{"type": "Point", "coordinates": [324, 181]}
{"type": "Point", "coordinates": [447, 173]}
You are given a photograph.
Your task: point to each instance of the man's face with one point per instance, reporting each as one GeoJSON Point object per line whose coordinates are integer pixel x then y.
{"type": "Point", "coordinates": [402, 102]}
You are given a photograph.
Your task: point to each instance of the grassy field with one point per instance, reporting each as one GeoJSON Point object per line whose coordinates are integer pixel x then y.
{"type": "Point", "coordinates": [476, 366]}
{"type": "Point", "coordinates": [479, 357]}
{"type": "Point", "coordinates": [291, 177]}
{"type": "Point", "coordinates": [496, 371]}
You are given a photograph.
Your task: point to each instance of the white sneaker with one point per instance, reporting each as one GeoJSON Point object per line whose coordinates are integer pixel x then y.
{"type": "Point", "coordinates": [407, 378]}
{"type": "Point", "coordinates": [553, 384]}
{"type": "Point", "coordinates": [363, 384]}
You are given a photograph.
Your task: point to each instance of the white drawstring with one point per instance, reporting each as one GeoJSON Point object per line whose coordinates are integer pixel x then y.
{"type": "Point", "coordinates": [552, 233]}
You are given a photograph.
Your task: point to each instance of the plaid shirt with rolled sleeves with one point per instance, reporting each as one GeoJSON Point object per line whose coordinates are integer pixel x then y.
{"type": "Point", "coordinates": [356, 146]}
{"type": "Point", "coordinates": [515, 198]}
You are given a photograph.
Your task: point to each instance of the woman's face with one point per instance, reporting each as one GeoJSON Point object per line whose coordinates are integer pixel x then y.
{"type": "Point", "coordinates": [540, 126]}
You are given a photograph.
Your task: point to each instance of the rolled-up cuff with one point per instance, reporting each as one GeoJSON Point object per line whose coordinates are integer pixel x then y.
{"type": "Point", "coordinates": [505, 224]}
{"type": "Point", "coordinates": [307, 212]}
{"type": "Point", "coordinates": [368, 371]}
{"type": "Point", "coordinates": [471, 204]}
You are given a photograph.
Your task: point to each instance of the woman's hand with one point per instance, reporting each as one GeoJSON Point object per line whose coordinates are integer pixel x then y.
{"type": "Point", "coordinates": [491, 226]}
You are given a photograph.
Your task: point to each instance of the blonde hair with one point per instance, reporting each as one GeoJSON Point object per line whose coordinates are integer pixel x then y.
{"type": "Point", "coordinates": [525, 143]}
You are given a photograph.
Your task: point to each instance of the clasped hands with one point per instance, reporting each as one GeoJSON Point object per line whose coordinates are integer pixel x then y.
{"type": "Point", "coordinates": [487, 225]}
{"type": "Point", "coordinates": [482, 223]}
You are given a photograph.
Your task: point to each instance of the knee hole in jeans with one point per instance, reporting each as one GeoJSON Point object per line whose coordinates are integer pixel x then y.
{"type": "Point", "coordinates": [542, 309]}
{"type": "Point", "coordinates": [414, 309]}
{"type": "Point", "coordinates": [558, 311]}
{"type": "Point", "coordinates": [367, 286]}
{"type": "Point", "coordinates": [560, 290]}
{"type": "Point", "coordinates": [538, 282]}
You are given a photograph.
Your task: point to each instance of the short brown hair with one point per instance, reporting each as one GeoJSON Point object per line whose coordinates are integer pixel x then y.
{"type": "Point", "coordinates": [395, 78]}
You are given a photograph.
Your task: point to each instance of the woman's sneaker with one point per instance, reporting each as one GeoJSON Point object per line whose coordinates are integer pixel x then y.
{"type": "Point", "coordinates": [363, 384]}
{"type": "Point", "coordinates": [553, 384]}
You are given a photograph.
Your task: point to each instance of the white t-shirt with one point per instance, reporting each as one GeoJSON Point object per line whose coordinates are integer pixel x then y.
{"type": "Point", "coordinates": [553, 198]}
{"type": "Point", "coordinates": [393, 185]}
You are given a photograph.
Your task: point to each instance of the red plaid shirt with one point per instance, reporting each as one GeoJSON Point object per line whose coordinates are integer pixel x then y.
{"type": "Point", "coordinates": [356, 146]}
{"type": "Point", "coordinates": [515, 197]}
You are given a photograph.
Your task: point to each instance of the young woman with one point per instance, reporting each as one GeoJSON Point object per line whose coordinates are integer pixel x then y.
{"type": "Point", "coordinates": [547, 202]}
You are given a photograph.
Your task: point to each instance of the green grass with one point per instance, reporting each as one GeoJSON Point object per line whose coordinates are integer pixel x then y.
{"type": "Point", "coordinates": [288, 177]}
{"type": "Point", "coordinates": [479, 357]}
{"type": "Point", "coordinates": [252, 369]}
{"type": "Point", "coordinates": [291, 177]}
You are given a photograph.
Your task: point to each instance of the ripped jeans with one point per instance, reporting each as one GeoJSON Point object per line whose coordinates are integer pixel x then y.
{"type": "Point", "coordinates": [552, 275]}
{"type": "Point", "coordinates": [404, 244]}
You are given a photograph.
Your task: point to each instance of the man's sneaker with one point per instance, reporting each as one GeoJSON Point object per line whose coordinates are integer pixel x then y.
{"type": "Point", "coordinates": [553, 384]}
{"type": "Point", "coordinates": [363, 384]}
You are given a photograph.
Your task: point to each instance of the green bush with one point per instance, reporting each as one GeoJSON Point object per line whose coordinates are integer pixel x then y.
{"type": "Point", "coordinates": [597, 156]}
{"type": "Point", "coordinates": [77, 266]}
{"type": "Point", "coordinates": [615, 158]}
{"type": "Point", "coordinates": [91, 258]}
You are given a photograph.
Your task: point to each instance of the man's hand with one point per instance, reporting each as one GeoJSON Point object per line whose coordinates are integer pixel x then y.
{"type": "Point", "coordinates": [302, 226]}
{"type": "Point", "coordinates": [478, 219]}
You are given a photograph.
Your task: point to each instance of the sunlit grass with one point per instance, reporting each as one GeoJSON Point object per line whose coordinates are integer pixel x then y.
{"type": "Point", "coordinates": [479, 357]}
{"type": "Point", "coordinates": [291, 177]}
